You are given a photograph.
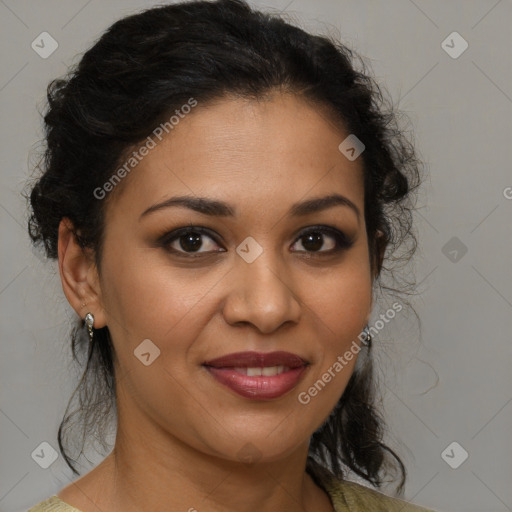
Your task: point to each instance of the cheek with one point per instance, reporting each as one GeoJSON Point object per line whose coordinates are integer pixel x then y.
{"type": "Point", "coordinates": [339, 312]}
{"type": "Point", "coordinates": [149, 296]}
{"type": "Point", "coordinates": [148, 300]}
{"type": "Point", "coordinates": [340, 306]}
{"type": "Point", "coordinates": [342, 298]}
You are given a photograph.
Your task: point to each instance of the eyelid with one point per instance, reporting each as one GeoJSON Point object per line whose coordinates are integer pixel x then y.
{"type": "Point", "coordinates": [175, 234]}
{"type": "Point", "coordinates": [342, 240]}
{"type": "Point", "coordinates": [325, 229]}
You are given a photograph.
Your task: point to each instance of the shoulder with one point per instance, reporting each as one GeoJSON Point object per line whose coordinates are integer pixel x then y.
{"type": "Point", "coordinates": [53, 504]}
{"type": "Point", "coordinates": [356, 497]}
{"type": "Point", "coordinates": [348, 496]}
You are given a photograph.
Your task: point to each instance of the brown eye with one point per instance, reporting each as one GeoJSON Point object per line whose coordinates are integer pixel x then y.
{"type": "Point", "coordinates": [329, 239]}
{"type": "Point", "coordinates": [189, 241]}
{"type": "Point", "coordinates": [197, 241]}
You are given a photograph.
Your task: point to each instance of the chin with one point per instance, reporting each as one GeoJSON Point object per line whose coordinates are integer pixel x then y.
{"type": "Point", "coordinates": [260, 447]}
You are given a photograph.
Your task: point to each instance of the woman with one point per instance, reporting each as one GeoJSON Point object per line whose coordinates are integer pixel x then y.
{"type": "Point", "coordinates": [220, 189]}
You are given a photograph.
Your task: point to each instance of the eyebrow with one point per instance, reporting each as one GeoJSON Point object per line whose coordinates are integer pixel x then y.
{"type": "Point", "coordinates": [216, 208]}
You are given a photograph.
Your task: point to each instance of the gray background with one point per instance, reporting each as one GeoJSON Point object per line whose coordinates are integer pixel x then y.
{"type": "Point", "coordinates": [449, 382]}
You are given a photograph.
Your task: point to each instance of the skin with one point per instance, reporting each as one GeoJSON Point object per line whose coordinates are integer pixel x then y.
{"type": "Point", "coordinates": [179, 430]}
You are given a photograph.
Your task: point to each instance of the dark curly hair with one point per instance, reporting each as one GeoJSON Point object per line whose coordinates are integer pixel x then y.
{"type": "Point", "coordinates": [143, 68]}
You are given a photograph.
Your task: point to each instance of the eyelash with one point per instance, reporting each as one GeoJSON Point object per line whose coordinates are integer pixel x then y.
{"type": "Point", "coordinates": [342, 241]}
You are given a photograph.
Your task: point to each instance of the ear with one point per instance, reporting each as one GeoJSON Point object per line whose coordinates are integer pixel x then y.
{"type": "Point", "coordinates": [79, 275]}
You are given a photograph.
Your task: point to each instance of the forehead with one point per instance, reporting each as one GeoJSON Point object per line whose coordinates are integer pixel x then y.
{"type": "Point", "coordinates": [271, 151]}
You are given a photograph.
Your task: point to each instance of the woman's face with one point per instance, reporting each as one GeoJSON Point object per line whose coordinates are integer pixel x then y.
{"type": "Point", "coordinates": [255, 275]}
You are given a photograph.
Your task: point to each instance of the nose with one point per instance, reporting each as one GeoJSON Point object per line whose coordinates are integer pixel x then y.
{"type": "Point", "coordinates": [262, 294]}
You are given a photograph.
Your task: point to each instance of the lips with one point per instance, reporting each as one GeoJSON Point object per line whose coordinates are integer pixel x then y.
{"type": "Point", "coordinates": [257, 360]}
{"type": "Point", "coordinates": [258, 376]}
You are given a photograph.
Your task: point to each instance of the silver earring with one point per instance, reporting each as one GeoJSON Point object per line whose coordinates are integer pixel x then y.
{"type": "Point", "coordinates": [89, 321]}
{"type": "Point", "coordinates": [367, 337]}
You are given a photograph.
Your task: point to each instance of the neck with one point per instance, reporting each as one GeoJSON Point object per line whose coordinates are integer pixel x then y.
{"type": "Point", "coordinates": [169, 475]}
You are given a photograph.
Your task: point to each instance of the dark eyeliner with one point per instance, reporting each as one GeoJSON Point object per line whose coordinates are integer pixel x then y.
{"type": "Point", "coordinates": [165, 241]}
{"type": "Point", "coordinates": [343, 242]}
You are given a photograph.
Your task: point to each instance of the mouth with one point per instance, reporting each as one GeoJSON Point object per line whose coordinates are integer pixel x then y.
{"type": "Point", "coordinates": [258, 376]}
